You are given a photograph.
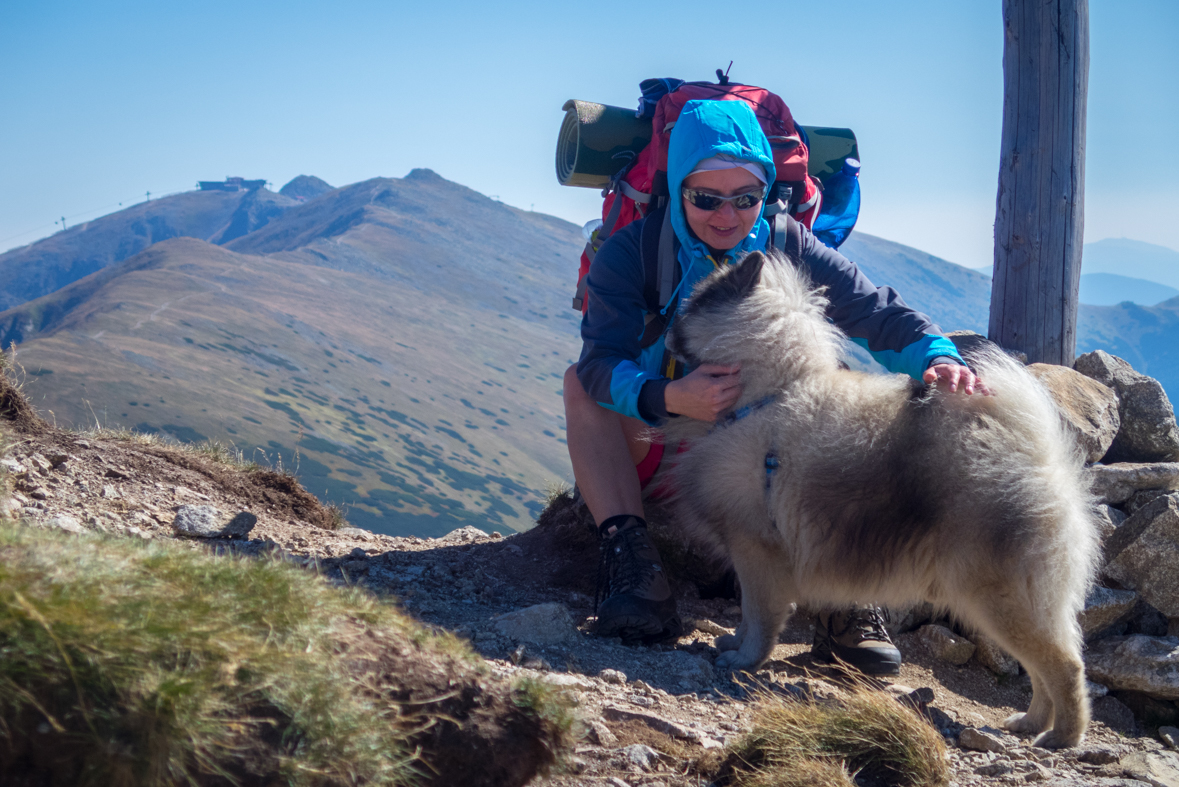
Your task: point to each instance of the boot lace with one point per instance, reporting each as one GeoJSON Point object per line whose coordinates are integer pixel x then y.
{"type": "Point", "coordinates": [868, 623]}
{"type": "Point", "coordinates": [620, 567]}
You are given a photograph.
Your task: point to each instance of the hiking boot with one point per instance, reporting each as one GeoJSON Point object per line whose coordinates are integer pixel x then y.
{"type": "Point", "coordinates": [637, 604]}
{"type": "Point", "coordinates": [856, 636]}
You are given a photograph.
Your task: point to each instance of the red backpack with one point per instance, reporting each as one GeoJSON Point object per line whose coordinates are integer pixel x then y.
{"type": "Point", "coordinates": [642, 184]}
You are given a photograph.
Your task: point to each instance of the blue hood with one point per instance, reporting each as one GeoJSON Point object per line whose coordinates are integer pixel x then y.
{"type": "Point", "coordinates": [706, 129]}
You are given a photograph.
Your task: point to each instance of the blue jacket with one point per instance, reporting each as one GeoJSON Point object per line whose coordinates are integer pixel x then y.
{"type": "Point", "coordinates": [625, 377]}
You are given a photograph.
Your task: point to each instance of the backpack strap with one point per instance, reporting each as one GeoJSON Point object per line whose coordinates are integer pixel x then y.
{"type": "Point", "coordinates": [658, 248]}
{"type": "Point", "coordinates": [786, 236]}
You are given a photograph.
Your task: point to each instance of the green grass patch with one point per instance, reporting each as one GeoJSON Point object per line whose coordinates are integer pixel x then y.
{"type": "Point", "coordinates": [151, 664]}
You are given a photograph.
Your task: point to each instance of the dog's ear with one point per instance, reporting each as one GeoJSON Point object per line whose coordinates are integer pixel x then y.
{"type": "Point", "coordinates": [748, 273]}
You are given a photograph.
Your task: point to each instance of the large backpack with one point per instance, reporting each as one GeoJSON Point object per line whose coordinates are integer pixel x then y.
{"type": "Point", "coordinates": [641, 185]}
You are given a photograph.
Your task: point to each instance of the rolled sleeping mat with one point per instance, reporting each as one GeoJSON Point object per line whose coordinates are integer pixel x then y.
{"type": "Point", "coordinates": [598, 140]}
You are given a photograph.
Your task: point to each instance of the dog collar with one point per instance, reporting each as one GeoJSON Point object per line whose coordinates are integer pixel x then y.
{"type": "Point", "coordinates": [748, 409]}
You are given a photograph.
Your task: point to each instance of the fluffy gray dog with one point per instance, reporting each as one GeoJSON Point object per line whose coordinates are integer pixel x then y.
{"type": "Point", "coordinates": [828, 486]}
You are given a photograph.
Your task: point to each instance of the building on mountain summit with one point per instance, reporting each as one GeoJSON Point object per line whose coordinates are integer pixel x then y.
{"type": "Point", "coordinates": [231, 184]}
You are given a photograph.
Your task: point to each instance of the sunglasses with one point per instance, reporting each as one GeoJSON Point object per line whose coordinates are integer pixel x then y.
{"type": "Point", "coordinates": [705, 201]}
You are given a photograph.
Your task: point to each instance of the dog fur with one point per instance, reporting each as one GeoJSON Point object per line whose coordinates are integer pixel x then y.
{"type": "Point", "coordinates": [887, 491]}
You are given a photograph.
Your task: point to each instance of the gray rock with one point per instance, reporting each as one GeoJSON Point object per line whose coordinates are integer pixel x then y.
{"type": "Point", "coordinates": [1105, 607]}
{"type": "Point", "coordinates": [1160, 769]}
{"type": "Point", "coordinates": [1169, 736]}
{"type": "Point", "coordinates": [355, 532]}
{"type": "Point", "coordinates": [600, 734]}
{"type": "Point", "coordinates": [65, 522]}
{"type": "Point", "coordinates": [1095, 690]}
{"type": "Point", "coordinates": [1148, 432]}
{"type": "Point", "coordinates": [613, 676]}
{"type": "Point", "coordinates": [1099, 755]}
{"type": "Point", "coordinates": [977, 740]}
{"type": "Point", "coordinates": [644, 757]}
{"type": "Point", "coordinates": [1109, 519]}
{"type": "Point", "coordinates": [692, 670]}
{"type": "Point", "coordinates": [1113, 713]}
{"type": "Point", "coordinates": [995, 769]}
{"type": "Point", "coordinates": [542, 624]}
{"type": "Point", "coordinates": [988, 653]}
{"type": "Point", "coordinates": [1139, 500]}
{"type": "Point", "coordinates": [1115, 484]}
{"type": "Point", "coordinates": [945, 644]}
{"type": "Point", "coordinates": [655, 722]}
{"type": "Point", "coordinates": [898, 621]}
{"type": "Point", "coordinates": [1090, 409]}
{"type": "Point", "coordinates": [1136, 663]}
{"type": "Point", "coordinates": [198, 521]}
{"type": "Point", "coordinates": [1147, 551]}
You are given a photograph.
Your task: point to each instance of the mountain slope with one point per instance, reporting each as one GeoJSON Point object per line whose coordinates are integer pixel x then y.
{"type": "Point", "coordinates": [412, 378]}
{"type": "Point", "coordinates": [1108, 289]}
{"type": "Point", "coordinates": [1133, 258]}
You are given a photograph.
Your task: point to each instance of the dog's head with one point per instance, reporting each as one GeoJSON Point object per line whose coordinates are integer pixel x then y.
{"type": "Point", "coordinates": [761, 312]}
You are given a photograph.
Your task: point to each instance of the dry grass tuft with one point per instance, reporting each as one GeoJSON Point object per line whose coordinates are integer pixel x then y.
{"type": "Point", "coordinates": [867, 737]}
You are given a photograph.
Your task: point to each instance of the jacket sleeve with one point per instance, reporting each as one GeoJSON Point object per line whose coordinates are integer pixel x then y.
{"type": "Point", "coordinates": [899, 338]}
{"type": "Point", "coordinates": [612, 328]}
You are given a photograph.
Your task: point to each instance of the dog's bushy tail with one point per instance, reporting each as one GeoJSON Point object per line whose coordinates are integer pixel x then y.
{"type": "Point", "coordinates": [1052, 487]}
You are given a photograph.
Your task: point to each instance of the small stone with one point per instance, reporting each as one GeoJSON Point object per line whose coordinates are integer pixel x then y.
{"type": "Point", "coordinates": [1098, 755]}
{"type": "Point", "coordinates": [1169, 736]}
{"type": "Point", "coordinates": [199, 521]}
{"type": "Point", "coordinates": [40, 463]}
{"type": "Point", "coordinates": [945, 644]}
{"type": "Point", "coordinates": [613, 676]}
{"type": "Point", "coordinates": [109, 492]}
{"type": "Point", "coordinates": [12, 467]}
{"type": "Point", "coordinates": [65, 522]}
{"type": "Point", "coordinates": [542, 624]}
{"type": "Point", "coordinates": [995, 769]}
{"type": "Point", "coordinates": [977, 740]}
{"type": "Point", "coordinates": [355, 532]}
{"type": "Point", "coordinates": [1113, 713]}
{"type": "Point", "coordinates": [655, 722]}
{"type": "Point", "coordinates": [40, 493]}
{"type": "Point", "coordinates": [641, 756]}
{"type": "Point", "coordinates": [1095, 690]}
{"type": "Point", "coordinates": [82, 443]}
{"type": "Point", "coordinates": [600, 734]}
{"type": "Point", "coordinates": [117, 473]}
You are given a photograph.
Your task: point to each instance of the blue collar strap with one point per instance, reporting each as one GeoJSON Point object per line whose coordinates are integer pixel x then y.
{"type": "Point", "coordinates": [748, 409]}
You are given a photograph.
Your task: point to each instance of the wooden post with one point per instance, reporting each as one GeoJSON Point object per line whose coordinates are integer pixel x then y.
{"type": "Point", "coordinates": [1039, 216]}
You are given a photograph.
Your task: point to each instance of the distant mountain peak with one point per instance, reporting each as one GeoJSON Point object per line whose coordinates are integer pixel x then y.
{"type": "Point", "coordinates": [305, 187]}
{"type": "Point", "coordinates": [425, 175]}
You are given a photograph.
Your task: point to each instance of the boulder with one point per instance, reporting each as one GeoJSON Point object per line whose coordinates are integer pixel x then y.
{"type": "Point", "coordinates": [1148, 432]}
{"type": "Point", "coordinates": [1117, 483]}
{"type": "Point", "coordinates": [1090, 409]}
{"type": "Point", "coordinates": [1136, 663]}
{"type": "Point", "coordinates": [65, 522]}
{"type": "Point", "coordinates": [980, 740]}
{"type": "Point", "coordinates": [1105, 607]}
{"type": "Point", "coordinates": [1143, 553]}
{"type": "Point", "coordinates": [541, 624]}
{"type": "Point", "coordinates": [1109, 519]}
{"type": "Point", "coordinates": [945, 644]}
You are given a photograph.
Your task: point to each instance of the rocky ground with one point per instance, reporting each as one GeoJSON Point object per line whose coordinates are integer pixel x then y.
{"type": "Point", "coordinates": [652, 715]}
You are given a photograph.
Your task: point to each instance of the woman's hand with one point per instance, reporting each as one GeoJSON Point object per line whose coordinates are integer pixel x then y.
{"type": "Point", "coordinates": [705, 393]}
{"type": "Point", "coordinates": [954, 375]}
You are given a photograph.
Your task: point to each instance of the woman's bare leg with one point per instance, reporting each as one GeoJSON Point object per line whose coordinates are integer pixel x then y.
{"type": "Point", "coordinates": [604, 447]}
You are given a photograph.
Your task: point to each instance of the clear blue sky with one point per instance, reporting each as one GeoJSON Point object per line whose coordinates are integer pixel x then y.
{"type": "Point", "coordinates": [101, 102]}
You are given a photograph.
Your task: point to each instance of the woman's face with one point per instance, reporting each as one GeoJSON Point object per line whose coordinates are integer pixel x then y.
{"type": "Point", "coordinates": [725, 227]}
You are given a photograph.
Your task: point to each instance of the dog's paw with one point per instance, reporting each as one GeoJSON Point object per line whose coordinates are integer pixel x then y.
{"type": "Point", "coordinates": [733, 661]}
{"type": "Point", "coordinates": [1022, 723]}
{"type": "Point", "coordinates": [1055, 740]}
{"type": "Point", "coordinates": [727, 642]}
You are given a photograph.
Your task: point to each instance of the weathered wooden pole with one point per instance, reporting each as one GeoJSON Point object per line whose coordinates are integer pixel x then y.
{"type": "Point", "coordinates": [1039, 216]}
